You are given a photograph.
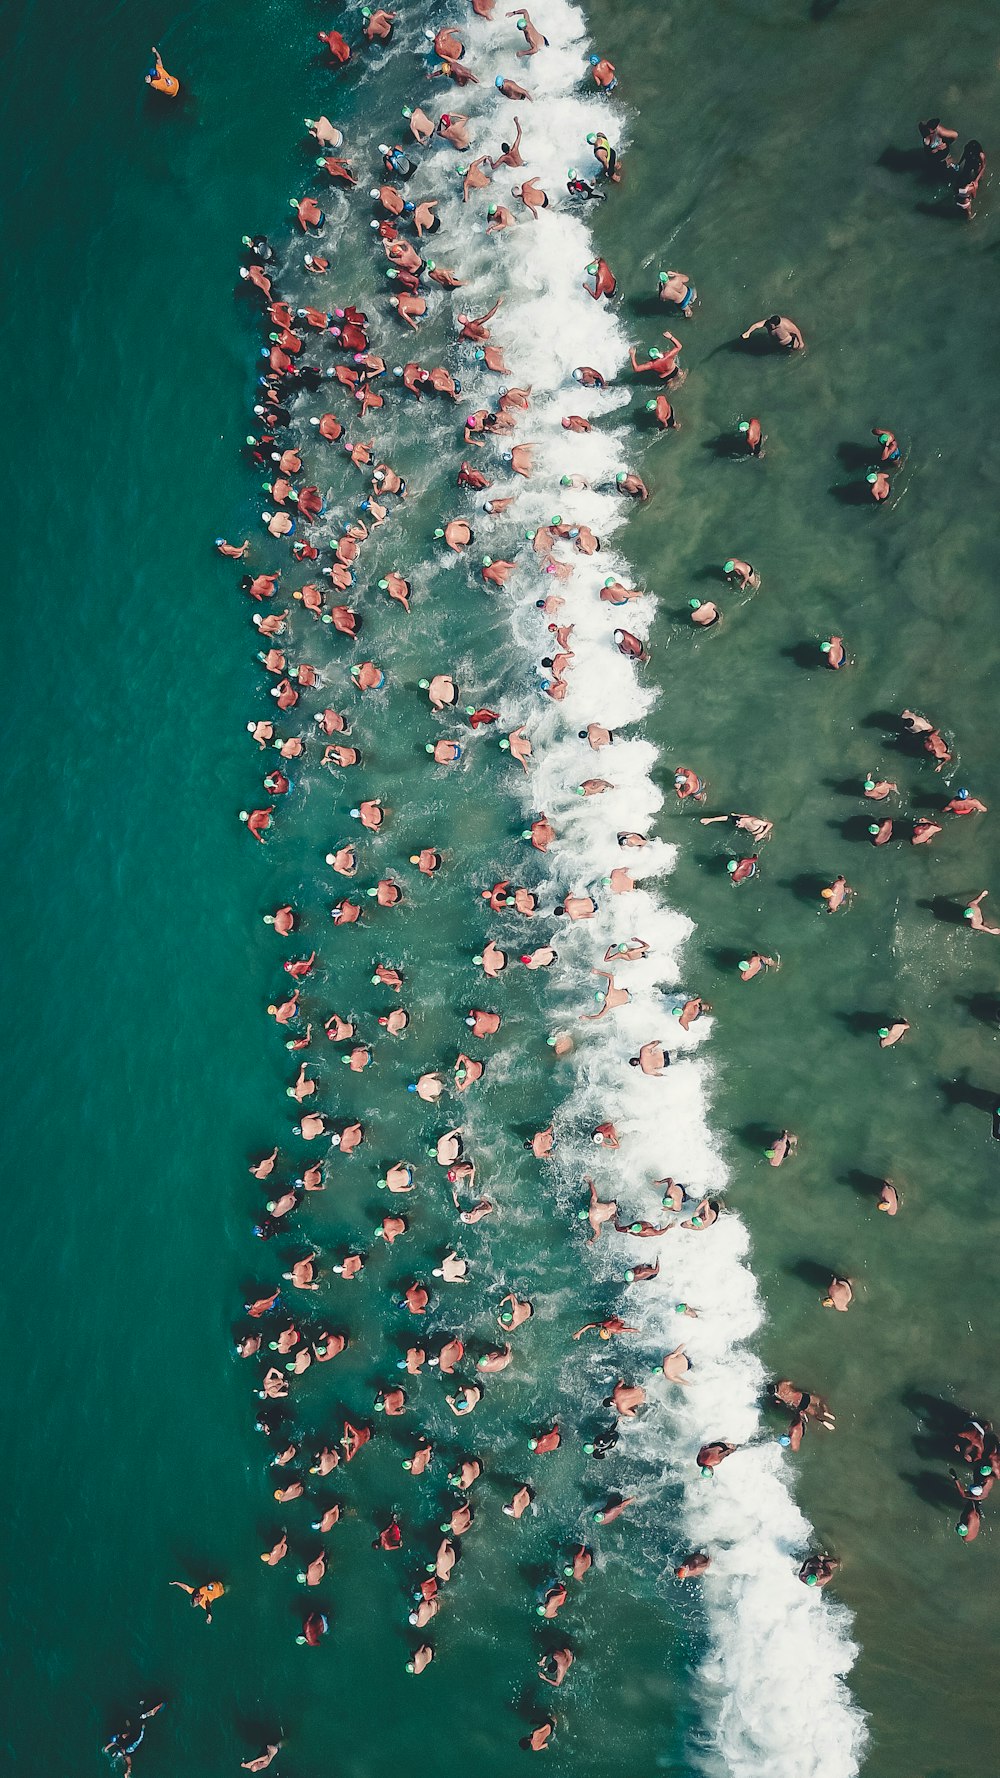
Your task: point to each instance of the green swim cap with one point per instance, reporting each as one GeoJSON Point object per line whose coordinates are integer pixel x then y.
{"type": "Point", "coordinates": [744, 963]}
{"type": "Point", "coordinates": [589, 1449]}
{"type": "Point", "coordinates": [873, 827]}
{"type": "Point", "coordinates": [824, 647]}
{"type": "Point", "coordinates": [728, 569]}
{"type": "Point", "coordinates": [581, 1215]}
{"type": "Point", "coordinates": [769, 1154]}
{"type": "Point", "coordinates": [869, 784]}
{"type": "Point", "coordinates": [811, 1580]}
{"type": "Point", "coordinates": [731, 865]}
{"type": "Point", "coordinates": [487, 561]}
{"type": "Point", "coordinates": [744, 425]}
{"type": "Point", "coordinates": [967, 915]}
{"type": "Point", "coordinates": [883, 438]}
{"type": "Point", "coordinates": [630, 1277]}
{"type": "Point", "coordinates": [556, 518]}
{"type": "Point", "coordinates": [424, 684]}
{"type": "Point", "coordinates": [883, 1030]}
{"type": "Point", "coordinates": [428, 746]}
{"type": "Point", "coordinates": [872, 476]}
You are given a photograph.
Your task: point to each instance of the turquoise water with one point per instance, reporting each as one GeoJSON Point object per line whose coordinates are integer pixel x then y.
{"type": "Point", "coordinates": [143, 1075]}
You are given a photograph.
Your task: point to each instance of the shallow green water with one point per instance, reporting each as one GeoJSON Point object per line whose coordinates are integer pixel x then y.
{"type": "Point", "coordinates": [141, 1071]}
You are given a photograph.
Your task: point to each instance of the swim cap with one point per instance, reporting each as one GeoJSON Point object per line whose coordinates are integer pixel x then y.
{"type": "Point", "coordinates": [694, 604]}
{"type": "Point", "coordinates": [967, 915]}
{"type": "Point", "coordinates": [811, 1580]}
{"type": "Point", "coordinates": [728, 568]}
{"type": "Point", "coordinates": [883, 438]}
{"type": "Point", "coordinates": [963, 1530]}
{"type": "Point", "coordinates": [630, 1277]}
{"type": "Point", "coordinates": [872, 476]}
{"type": "Point", "coordinates": [744, 425]}
{"type": "Point", "coordinates": [873, 827]}
{"type": "Point", "coordinates": [784, 1439]}
{"type": "Point", "coordinates": [883, 1030]}
{"type": "Point", "coordinates": [962, 795]}
{"type": "Point", "coordinates": [731, 865]}
{"type": "Point", "coordinates": [769, 1154]}
{"type": "Point", "coordinates": [743, 964]}
{"type": "Point", "coordinates": [499, 80]}
{"type": "Point", "coordinates": [706, 1470]}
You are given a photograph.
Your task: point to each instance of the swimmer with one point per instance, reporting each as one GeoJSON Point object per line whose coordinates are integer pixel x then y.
{"type": "Point", "coordinates": [613, 1509]}
{"type": "Point", "coordinates": [879, 485]}
{"type": "Point", "coordinates": [577, 907]}
{"type": "Point", "coordinates": [782, 1148]}
{"type": "Point", "coordinates": [202, 1597]}
{"type": "Point", "coordinates": [599, 1211]}
{"type": "Point", "coordinates": [964, 804]}
{"type": "Point", "coordinates": [465, 1401]}
{"type": "Point", "coordinates": [453, 127]}
{"type": "Point", "coordinates": [818, 1571]}
{"type": "Point", "coordinates": [532, 197]}
{"type": "Point", "coordinates": [652, 1059]}
{"type": "Point", "coordinates": [606, 1330]}
{"type": "Point", "coordinates": [541, 833]}
{"type": "Point", "coordinates": [263, 1760]}
{"type": "Point", "coordinates": [662, 364]}
{"type": "Point", "coordinates": [542, 1143]}
{"type": "Point", "coordinates": [518, 1505]}
{"type": "Point", "coordinates": [613, 997]}
{"type": "Point", "coordinates": [630, 646]}
{"type": "Point", "coordinates": [839, 1295]}
{"type": "Point", "coordinates": [677, 288]}
{"type": "Point", "coordinates": [510, 155]}
{"type": "Point", "coordinates": [892, 1033]}
{"type": "Point", "coordinates": [514, 1311]}
{"type": "Point", "coordinates": [974, 914]}
{"type": "Point", "coordinates": [604, 73]}
{"type": "Point", "coordinates": [160, 80]}
{"type": "Point", "coordinates": [837, 895]}
{"type": "Point", "coordinates": [924, 831]}
{"type": "Point", "coordinates": [780, 330]}
{"type": "Point", "coordinates": [757, 964]}
{"type": "Point", "coordinates": [600, 280]}
{"type": "Point", "coordinates": [891, 452]}
{"type": "Point", "coordinates": [835, 652]}
{"type": "Point", "coordinates": [937, 139]}
{"type": "Point", "coordinates": [676, 1365]}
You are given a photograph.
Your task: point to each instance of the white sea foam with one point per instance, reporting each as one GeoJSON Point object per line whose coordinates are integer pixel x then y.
{"type": "Point", "coordinates": [773, 1684]}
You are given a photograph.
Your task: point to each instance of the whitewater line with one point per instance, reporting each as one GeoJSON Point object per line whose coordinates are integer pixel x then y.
{"type": "Point", "coordinates": [771, 1638]}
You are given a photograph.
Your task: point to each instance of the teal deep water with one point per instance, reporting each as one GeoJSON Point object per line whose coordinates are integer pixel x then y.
{"type": "Point", "coordinates": [769, 159]}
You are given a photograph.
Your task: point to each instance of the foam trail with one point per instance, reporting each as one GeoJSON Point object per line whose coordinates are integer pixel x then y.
{"type": "Point", "coordinates": [775, 1646]}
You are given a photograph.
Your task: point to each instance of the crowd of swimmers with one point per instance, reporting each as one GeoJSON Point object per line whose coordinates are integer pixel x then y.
{"type": "Point", "coordinates": [326, 348]}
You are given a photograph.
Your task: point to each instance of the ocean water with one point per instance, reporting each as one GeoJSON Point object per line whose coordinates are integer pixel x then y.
{"type": "Point", "coordinates": [145, 1075]}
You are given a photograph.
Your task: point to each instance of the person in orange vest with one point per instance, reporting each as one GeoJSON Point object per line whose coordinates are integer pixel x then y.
{"type": "Point", "coordinates": [160, 80]}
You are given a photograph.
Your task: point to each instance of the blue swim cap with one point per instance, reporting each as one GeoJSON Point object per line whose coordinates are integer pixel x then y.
{"type": "Point", "coordinates": [499, 80]}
